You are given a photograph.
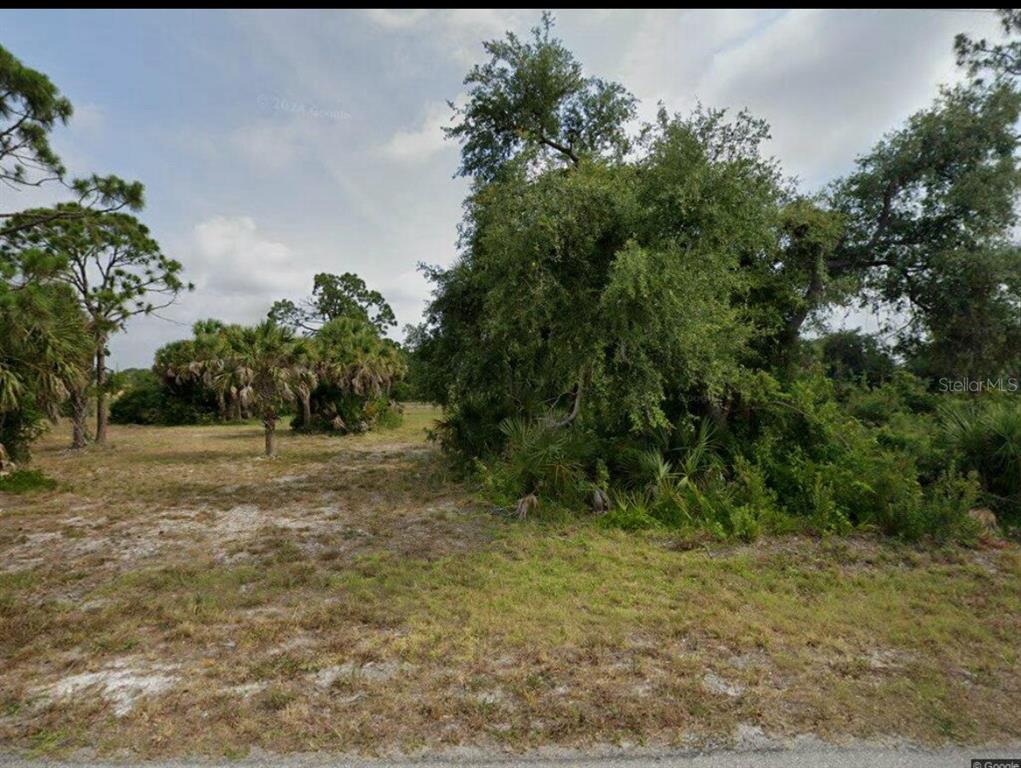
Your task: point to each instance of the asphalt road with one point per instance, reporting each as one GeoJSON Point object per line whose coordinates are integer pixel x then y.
{"type": "Point", "coordinates": [805, 756]}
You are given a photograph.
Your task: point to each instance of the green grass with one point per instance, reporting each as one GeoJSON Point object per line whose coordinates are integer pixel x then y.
{"type": "Point", "coordinates": [182, 546]}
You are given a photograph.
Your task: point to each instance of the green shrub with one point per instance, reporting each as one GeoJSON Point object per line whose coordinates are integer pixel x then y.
{"type": "Point", "coordinates": [744, 523]}
{"type": "Point", "coordinates": [143, 405]}
{"type": "Point", "coordinates": [916, 436]}
{"type": "Point", "coordinates": [827, 516]}
{"type": "Point", "coordinates": [26, 481]}
{"type": "Point", "coordinates": [822, 465]}
{"type": "Point", "coordinates": [798, 459]}
{"type": "Point", "coordinates": [150, 403]}
{"type": "Point", "coordinates": [750, 488]}
{"type": "Point", "coordinates": [547, 461]}
{"type": "Point", "coordinates": [629, 512]}
{"type": "Point", "coordinates": [150, 400]}
{"type": "Point", "coordinates": [854, 357]}
{"type": "Point", "coordinates": [344, 411]}
{"type": "Point", "coordinates": [20, 428]}
{"type": "Point", "coordinates": [903, 393]}
{"type": "Point", "coordinates": [945, 512]}
{"type": "Point", "coordinates": [985, 438]}
{"type": "Point", "coordinates": [387, 414]}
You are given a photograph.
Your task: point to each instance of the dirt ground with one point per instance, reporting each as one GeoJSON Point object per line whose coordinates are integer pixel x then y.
{"type": "Point", "coordinates": [179, 594]}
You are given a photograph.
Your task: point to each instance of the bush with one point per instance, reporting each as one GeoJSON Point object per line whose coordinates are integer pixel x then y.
{"type": "Point", "coordinates": [151, 401]}
{"type": "Point", "coordinates": [985, 438]}
{"type": "Point", "coordinates": [629, 512]}
{"type": "Point", "coordinates": [26, 481]}
{"type": "Point", "coordinates": [795, 459]}
{"type": "Point", "coordinates": [811, 459]}
{"type": "Point", "coordinates": [853, 357]}
{"type": "Point", "coordinates": [945, 513]}
{"type": "Point", "coordinates": [19, 429]}
{"type": "Point", "coordinates": [143, 405]}
{"type": "Point", "coordinates": [538, 459]}
{"type": "Point", "coordinates": [744, 523]}
{"type": "Point", "coordinates": [904, 394]}
{"type": "Point", "coordinates": [384, 413]}
{"type": "Point", "coordinates": [345, 412]}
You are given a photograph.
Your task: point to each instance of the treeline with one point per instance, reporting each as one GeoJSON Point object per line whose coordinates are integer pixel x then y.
{"type": "Point", "coordinates": [633, 324]}
{"type": "Point", "coordinates": [325, 361]}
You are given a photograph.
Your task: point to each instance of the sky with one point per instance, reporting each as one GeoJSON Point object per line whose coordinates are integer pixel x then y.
{"type": "Point", "coordinates": [277, 144]}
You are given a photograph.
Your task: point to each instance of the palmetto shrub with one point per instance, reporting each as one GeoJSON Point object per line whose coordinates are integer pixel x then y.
{"type": "Point", "coordinates": [985, 438]}
{"type": "Point", "coordinates": [539, 459]}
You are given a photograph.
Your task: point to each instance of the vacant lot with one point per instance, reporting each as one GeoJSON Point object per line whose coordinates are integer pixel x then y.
{"type": "Point", "coordinates": [178, 594]}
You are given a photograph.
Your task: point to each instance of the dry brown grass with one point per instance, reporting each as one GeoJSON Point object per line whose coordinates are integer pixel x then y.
{"type": "Point", "coordinates": [179, 594]}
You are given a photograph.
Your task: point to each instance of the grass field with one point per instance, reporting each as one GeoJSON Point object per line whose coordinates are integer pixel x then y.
{"type": "Point", "coordinates": [176, 593]}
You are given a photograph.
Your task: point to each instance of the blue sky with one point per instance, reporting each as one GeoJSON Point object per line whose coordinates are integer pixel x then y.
{"type": "Point", "coordinates": [277, 144]}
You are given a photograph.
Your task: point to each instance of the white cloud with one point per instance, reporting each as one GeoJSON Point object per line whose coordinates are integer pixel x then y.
{"type": "Point", "coordinates": [232, 258]}
{"type": "Point", "coordinates": [830, 83]}
{"type": "Point", "coordinates": [456, 32]}
{"type": "Point", "coordinates": [238, 273]}
{"type": "Point", "coordinates": [421, 143]}
{"type": "Point", "coordinates": [396, 18]}
{"type": "Point", "coordinates": [666, 56]}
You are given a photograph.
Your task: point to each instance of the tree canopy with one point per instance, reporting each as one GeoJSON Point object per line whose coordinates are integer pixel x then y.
{"type": "Point", "coordinates": [334, 297]}
{"type": "Point", "coordinates": [531, 99]}
{"type": "Point", "coordinates": [929, 215]}
{"type": "Point", "coordinates": [115, 268]}
{"type": "Point", "coordinates": [31, 106]}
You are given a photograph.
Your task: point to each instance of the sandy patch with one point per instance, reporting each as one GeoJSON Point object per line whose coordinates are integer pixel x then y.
{"type": "Point", "coordinates": [716, 684]}
{"type": "Point", "coordinates": [371, 672]}
{"type": "Point", "coordinates": [123, 683]}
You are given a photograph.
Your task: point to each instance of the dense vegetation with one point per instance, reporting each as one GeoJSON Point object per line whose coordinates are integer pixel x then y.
{"type": "Point", "coordinates": [631, 324]}
{"type": "Point", "coordinates": [326, 360]}
{"type": "Point", "coordinates": [636, 324]}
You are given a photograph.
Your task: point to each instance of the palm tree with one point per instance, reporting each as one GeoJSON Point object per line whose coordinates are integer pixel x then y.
{"type": "Point", "coordinates": [207, 347]}
{"type": "Point", "coordinates": [44, 355]}
{"type": "Point", "coordinates": [307, 380]}
{"type": "Point", "coordinates": [352, 356]}
{"type": "Point", "coordinates": [265, 363]}
{"type": "Point", "coordinates": [201, 360]}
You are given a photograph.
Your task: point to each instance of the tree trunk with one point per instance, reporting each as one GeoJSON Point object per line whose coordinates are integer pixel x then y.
{"type": "Point", "coordinates": [576, 408]}
{"type": "Point", "coordinates": [306, 410]}
{"type": "Point", "coordinates": [101, 411]}
{"type": "Point", "coordinates": [79, 417]}
{"type": "Point", "coordinates": [6, 464]}
{"type": "Point", "coordinates": [792, 329]}
{"type": "Point", "coordinates": [221, 406]}
{"type": "Point", "coordinates": [269, 423]}
{"type": "Point", "coordinates": [235, 408]}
